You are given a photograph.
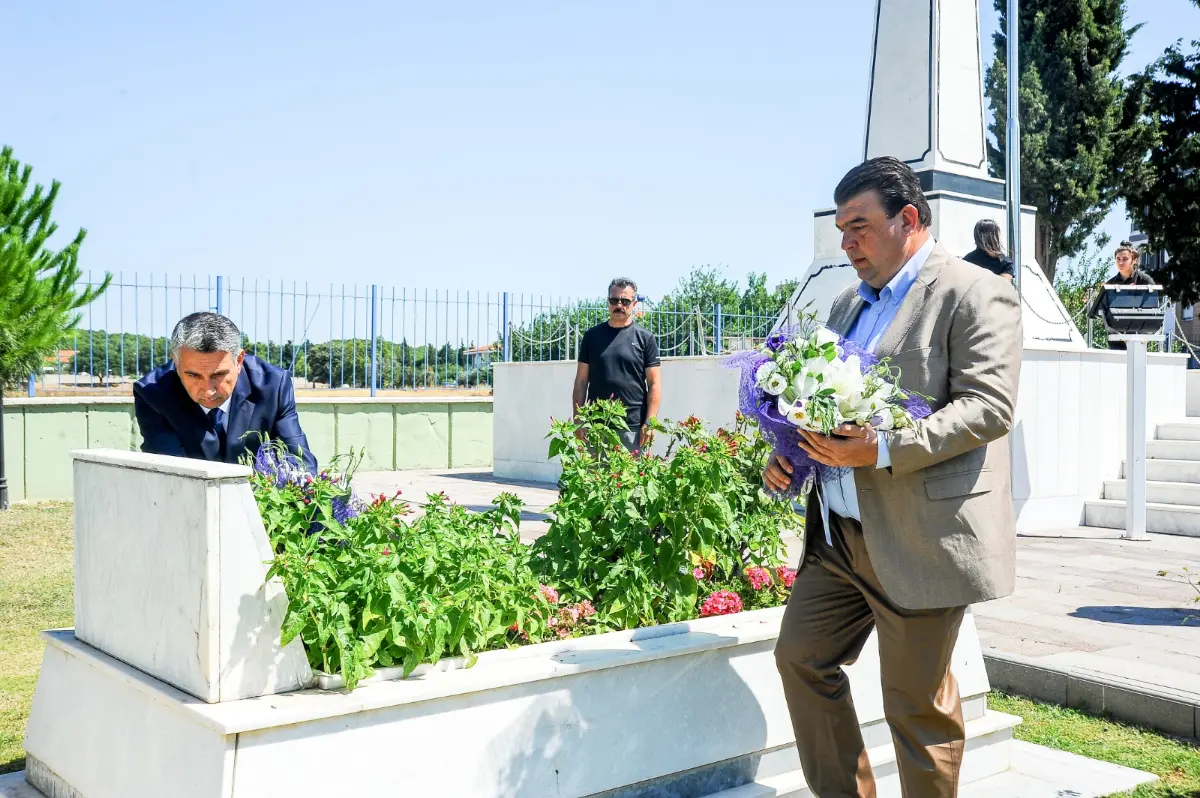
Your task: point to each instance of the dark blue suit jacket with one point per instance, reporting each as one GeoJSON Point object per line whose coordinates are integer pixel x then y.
{"type": "Point", "coordinates": [263, 402]}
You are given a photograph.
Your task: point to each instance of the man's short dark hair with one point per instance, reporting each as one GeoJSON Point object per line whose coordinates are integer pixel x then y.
{"type": "Point", "coordinates": [894, 180]}
{"type": "Point", "coordinates": [623, 283]}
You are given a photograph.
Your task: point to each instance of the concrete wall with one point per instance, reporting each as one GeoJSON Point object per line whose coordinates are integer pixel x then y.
{"type": "Point", "coordinates": [1193, 392]}
{"type": "Point", "coordinates": [1070, 431]}
{"type": "Point", "coordinates": [1068, 438]}
{"type": "Point", "coordinates": [396, 434]}
{"type": "Point", "coordinates": [528, 395]}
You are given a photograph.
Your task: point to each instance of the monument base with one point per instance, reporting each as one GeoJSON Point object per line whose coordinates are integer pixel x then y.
{"type": "Point", "coordinates": [696, 707]}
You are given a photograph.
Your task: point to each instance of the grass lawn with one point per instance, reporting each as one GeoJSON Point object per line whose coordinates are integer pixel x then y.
{"type": "Point", "coordinates": [1177, 764]}
{"type": "Point", "coordinates": [36, 588]}
{"type": "Point", "coordinates": [36, 594]}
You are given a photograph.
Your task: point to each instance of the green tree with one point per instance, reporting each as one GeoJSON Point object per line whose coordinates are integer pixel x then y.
{"type": "Point", "coordinates": [1162, 196]}
{"type": "Point", "coordinates": [1071, 113]}
{"type": "Point", "coordinates": [38, 297]}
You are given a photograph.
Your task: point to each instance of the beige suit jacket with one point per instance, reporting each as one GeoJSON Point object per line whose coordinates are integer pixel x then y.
{"type": "Point", "coordinates": [939, 523]}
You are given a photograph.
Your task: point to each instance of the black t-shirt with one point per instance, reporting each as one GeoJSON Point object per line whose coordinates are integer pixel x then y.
{"type": "Point", "coordinates": [1001, 266]}
{"type": "Point", "coordinates": [617, 359]}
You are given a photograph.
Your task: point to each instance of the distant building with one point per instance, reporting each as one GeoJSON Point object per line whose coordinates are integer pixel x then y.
{"type": "Point", "coordinates": [62, 358]}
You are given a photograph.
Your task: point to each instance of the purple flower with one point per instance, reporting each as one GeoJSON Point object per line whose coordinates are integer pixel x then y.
{"type": "Point", "coordinates": [347, 507]}
{"type": "Point", "coordinates": [278, 467]}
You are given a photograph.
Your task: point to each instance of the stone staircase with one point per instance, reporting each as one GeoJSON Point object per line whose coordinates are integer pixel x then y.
{"type": "Point", "coordinates": [1172, 485]}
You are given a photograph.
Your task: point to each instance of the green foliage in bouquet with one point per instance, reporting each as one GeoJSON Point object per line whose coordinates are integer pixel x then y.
{"type": "Point", "coordinates": [632, 531]}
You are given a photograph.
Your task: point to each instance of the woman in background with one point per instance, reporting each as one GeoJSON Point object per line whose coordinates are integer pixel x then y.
{"type": "Point", "coordinates": [988, 253]}
{"type": "Point", "coordinates": [1127, 257]}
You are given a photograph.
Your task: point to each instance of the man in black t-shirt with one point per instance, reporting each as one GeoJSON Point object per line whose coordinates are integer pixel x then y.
{"type": "Point", "coordinates": [619, 360]}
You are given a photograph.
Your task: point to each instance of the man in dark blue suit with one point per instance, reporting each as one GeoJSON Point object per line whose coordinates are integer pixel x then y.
{"type": "Point", "coordinates": [209, 402]}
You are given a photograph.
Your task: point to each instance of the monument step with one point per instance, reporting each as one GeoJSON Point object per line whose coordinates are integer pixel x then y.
{"type": "Point", "coordinates": [1033, 771]}
{"type": "Point", "coordinates": [1158, 492]}
{"type": "Point", "coordinates": [1179, 431]}
{"type": "Point", "coordinates": [1165, 519]}
{"type": "Point", "coordinates": [1170, 470]}
{"type": "Point", "coordinates": [1173, 450]}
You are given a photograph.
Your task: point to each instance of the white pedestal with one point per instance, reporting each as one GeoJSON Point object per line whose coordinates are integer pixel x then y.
{"type": "Point", "coordinates": [1135, 434]}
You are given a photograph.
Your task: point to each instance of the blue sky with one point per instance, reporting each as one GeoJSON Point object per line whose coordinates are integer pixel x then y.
{"type": "Point", "coordinates": [540, 147]}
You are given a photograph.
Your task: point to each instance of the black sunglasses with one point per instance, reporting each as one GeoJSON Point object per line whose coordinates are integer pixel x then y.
{"type": "Point", "coordinates": [620, 300]}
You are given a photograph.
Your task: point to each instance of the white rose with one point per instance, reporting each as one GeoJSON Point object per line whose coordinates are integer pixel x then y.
{"type": "Point", "coordinates": [824, 335]}
{"type": "Point", "coordinates": [776, 384]}
{"type": "Point", "coordinates": [764, 372]}
{"type": "Point", "coordinates": [886, 421]}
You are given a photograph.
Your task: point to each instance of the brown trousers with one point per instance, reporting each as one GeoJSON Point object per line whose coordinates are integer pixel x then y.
{"type": "Point", "coordinates": [834, 604]}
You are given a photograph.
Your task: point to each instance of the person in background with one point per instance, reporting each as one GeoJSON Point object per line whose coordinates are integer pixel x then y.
{"type": "Point", "coordinates": [210, 399]}
{"type": "Point", "coordinates": [618, 359]}
{"type": "Point", "coordinates": [988, 253]}
{"type": "Point", "coordinates": [1127, 257]}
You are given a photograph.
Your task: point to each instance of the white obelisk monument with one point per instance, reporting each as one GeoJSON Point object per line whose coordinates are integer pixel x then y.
{"type": "Point", "coordinates": [925, 107]}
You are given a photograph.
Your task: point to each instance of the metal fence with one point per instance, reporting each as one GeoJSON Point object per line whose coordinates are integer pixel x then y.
{"type": "Point", "coordinates": [365, 337]}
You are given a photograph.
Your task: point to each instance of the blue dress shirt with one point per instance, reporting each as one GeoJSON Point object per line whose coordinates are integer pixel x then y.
{"type": "Point", "coordinates": [841, 495]}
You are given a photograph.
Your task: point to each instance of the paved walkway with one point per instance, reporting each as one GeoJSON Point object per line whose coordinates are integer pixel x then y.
{"type": "Point", "coordinates": [1091, 623]}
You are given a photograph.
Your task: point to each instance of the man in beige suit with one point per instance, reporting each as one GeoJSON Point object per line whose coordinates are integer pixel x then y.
{"type": "Point", "coordinates": [923, 524]}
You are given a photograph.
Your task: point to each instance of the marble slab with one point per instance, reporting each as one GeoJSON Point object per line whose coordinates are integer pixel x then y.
{"type": "Point", "coordinates": [567, 718]}
{"type": "Point", "coordinates": [171, 560]}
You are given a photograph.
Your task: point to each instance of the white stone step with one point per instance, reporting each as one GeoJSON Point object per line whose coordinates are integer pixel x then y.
{"type": "Point", "coordinates": [1173, 450]}
{"type": "Point", "coordinates": [989, 744]}
{"type": "Point", "coordinates": [1165, 519]}
{"type": "Point", "coordinates": [1171, 470]}
{"type": "Point", "coordinates": [1179, 431]}
{"type": "Point", "coordinates": [1158, 492]}
{"type": "Point", "coordinates": [1033, 772]}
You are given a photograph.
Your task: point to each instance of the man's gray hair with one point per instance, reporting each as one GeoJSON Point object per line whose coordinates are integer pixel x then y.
{"type": "Point", "coordinates": [206, 332]}
{"type": "Point", "coordinates": [623, 282]}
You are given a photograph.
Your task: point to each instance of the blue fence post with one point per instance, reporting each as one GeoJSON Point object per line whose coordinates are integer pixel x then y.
{"type": "Point", "coordinates": [31, 389]}
{"type": "Point", "coordinates": [717, 348]}
{"type": "Point", "coordinates": [220, 287]}
{"type": "Point", "coordinates": [507, 331]}
{"type": "Point", "coordinates": [374, 339]}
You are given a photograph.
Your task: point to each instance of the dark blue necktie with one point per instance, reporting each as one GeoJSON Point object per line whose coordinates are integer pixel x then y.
{"type": "Point", "coordinates": [216, 417]}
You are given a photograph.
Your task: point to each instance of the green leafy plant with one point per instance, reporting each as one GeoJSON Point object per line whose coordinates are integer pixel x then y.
{"type": "Point", "coordinates": [368, 588]}
{"type": "Point", "coordinates": [631, 530]}
{"type": "Point", "coordinates": [1188, 577]}
{"type": "Point", "coordinates": [636, 540]}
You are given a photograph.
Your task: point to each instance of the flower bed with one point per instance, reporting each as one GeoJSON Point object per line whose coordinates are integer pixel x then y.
{"type": "Point", "coordinates": [636, 540]}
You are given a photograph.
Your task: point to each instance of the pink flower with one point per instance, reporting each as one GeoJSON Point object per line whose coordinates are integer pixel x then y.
{"type": "Point", "coordinates": [564, 633]}
{"type": "Point", "coordinates": [550, 593]}
{"type": "Point", "coordinates": [552, 621]}
{"type": "Point", "coordinates": [698, 572]}
{"type": "Point", "coordinates": [586, 608]}
{"type": "Point", "coordinates": [723, 602]}
{"type": "Point", "coordinates": [786, 575]}
{"type": "Point", "coordinates": [758, 577]}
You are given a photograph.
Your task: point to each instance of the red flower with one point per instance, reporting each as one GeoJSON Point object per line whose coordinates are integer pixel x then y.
{"type": "Point", "coordinates": [723, 602]}
{"type": "Point", "coordinates": [786, 575]}
{"type": "Point", "coordinates": [758, 577]}
{"type": "Point", "coordinates": [387, 552]}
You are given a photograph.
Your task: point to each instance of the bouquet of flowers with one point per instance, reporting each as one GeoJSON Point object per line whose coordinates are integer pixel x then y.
{"type": "Point", "coordinates": [807, 377]}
